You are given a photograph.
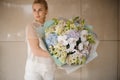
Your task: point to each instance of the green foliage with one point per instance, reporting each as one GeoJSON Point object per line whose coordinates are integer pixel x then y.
{"type": "Point", "coordinates": [56, 21]}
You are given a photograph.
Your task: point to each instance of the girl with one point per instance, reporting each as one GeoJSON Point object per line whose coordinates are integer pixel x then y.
{"type": "Point", "coordinates": [39, 65]}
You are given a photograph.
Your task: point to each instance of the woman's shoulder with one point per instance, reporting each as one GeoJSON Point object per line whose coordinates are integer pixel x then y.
{"type": "Point", "coordinates": [31, 25]}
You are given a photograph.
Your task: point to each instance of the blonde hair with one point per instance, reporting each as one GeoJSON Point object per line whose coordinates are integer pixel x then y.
{"type": "Point", "coordinates": [44, 2]}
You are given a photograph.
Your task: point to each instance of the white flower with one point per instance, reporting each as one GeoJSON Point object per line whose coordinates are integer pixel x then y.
{"type": "Point", "coordinates": [62, 40]}
{"type": "Point", "coordinates": [86, 43]}
{"type": "Point", "coordinates": [57, 28]}
{"type": "Point", "coordinates": [84, 34]}
{"type": "Point", "coordinates": [72, 43]}
{"type": "Point", "coordinates": [62, 23]}
{"type": "Point", "coordinates": [80, 46]}
{"type": "Point", "coordinates": [85, 52]}
{"type": "Point", "coordinates": [70, 49]}
{"type": "Point", "coordinates": [75, 51]}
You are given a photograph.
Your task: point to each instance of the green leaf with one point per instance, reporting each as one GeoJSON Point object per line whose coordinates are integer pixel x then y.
{"type": "Point", "coordinates": [76, 18]}
{"type": "Point", "coordinates": [56, 21]}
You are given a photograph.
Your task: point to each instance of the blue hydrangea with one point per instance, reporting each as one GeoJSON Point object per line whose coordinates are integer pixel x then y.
{"type": "Point", "coordinates": [51, 39]}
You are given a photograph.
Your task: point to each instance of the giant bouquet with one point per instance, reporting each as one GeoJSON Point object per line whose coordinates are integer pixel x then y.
{"type": "Point", "coordinates": [71, 41]}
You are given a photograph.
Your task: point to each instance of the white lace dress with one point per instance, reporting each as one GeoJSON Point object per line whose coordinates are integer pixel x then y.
{"type": "Point", "coordinates": [37, 68]}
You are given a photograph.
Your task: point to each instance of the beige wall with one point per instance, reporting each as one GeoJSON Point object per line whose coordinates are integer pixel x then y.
{"type": "Point", "coordinates": [102, 14]}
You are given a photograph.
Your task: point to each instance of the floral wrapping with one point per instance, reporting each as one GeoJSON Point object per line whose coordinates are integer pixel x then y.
{"type": "Point", "coordinates": [70, 42]}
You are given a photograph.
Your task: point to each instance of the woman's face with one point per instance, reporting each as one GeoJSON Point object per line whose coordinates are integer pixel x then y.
{"type": "Point", "coordinates": [39, 12]}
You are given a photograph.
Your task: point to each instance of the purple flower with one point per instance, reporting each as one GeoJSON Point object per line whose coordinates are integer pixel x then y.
{"type": "Point", "coordinates": [73, 34]}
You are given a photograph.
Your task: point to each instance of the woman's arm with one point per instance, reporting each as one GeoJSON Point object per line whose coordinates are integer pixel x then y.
{"type": "Point", "coordinates": [37, 51]}
{"type": "Point", "coordinates": [33, 41]}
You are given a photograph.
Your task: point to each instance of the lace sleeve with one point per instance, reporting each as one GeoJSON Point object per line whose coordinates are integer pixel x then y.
{"type": "Point", "coordinates": [31, 33]}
